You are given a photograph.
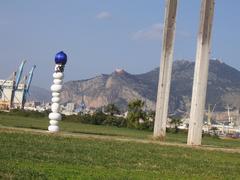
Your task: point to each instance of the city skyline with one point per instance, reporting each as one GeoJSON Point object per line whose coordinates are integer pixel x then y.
{"type": "Point", "coordinates": [100, 36]}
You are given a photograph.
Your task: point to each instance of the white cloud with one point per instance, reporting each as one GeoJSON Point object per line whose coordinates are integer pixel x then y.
{"type": "Point", "coordinates": [154, 32]}
{"type": "Point", "coordinates": [104, 15]}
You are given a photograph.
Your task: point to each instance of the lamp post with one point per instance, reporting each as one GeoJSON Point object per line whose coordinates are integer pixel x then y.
{"type": "Point", "coordinates": [58, 75]}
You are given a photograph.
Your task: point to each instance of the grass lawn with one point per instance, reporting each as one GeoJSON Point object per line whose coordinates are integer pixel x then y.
{"type": "Point", "coordinates": [31, 156]}
{"type": "Point", "coordinates": [42, 123]}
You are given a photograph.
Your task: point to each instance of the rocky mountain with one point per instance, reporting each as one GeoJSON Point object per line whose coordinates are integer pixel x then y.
{"type": "Point", "coordinates": [39, 94]}
{"type": "Point", "coordinates": [120, 87]}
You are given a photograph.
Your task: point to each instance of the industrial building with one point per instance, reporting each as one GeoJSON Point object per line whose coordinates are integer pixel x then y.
{"type": "Point", "coordinates": [14, 91]}
{"type": "Point", "coordinates": [6, 94]}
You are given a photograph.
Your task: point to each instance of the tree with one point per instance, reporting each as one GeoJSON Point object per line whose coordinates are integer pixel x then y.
{"type": "Point", "coordinates": [150, 120]}
{"type": "Point", "coordinates": [112, 109]}
{"type": "Point", "coordinates": [135, 105]}
{"type": "Point", "coordinates": [214, 129]}
{"type": "Point", "coordinates": [176, 121]}
{"type": "Point", "coordinates": [136, 116]}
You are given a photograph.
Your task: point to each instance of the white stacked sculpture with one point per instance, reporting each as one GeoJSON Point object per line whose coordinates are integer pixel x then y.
{"type": "Point", "coordinates": [58, 75]}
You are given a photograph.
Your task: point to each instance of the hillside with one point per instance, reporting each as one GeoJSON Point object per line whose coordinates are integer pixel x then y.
{"type": "Point", "coordinates": [120, 87]}
{"type": "Point", "coordinates": [39, 94]}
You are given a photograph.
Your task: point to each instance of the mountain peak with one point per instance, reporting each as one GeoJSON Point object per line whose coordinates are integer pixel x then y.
{"type": "Point", "coordinates": [120, 87]}
{"type": "Point", "coordinates": [120, 71]}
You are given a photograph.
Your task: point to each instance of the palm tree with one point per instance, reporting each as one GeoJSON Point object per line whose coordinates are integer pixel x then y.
{"type": "Point", "coordinates": [135, 105]}
{"type": "Point", "coordinates": [112, 109]}
{"type": "Point", "coordinates": [135, 113]}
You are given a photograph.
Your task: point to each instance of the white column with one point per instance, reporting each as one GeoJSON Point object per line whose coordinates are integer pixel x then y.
{"type": "Point", "coordinates": [201, 74]}
{"type": "Point", "coordinates": [56, 88]}
{"type": "Point", "coordinates": [165, 70]}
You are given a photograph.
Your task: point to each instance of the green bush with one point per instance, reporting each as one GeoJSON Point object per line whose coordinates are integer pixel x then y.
{"type": "Point", "coordinates": [98, 118]}
{"type": "Point", "coordinates": [115, 121]}
{"type": "Point", "coordinates": [72, 118]}
{"type": "Point", "coordinates": [136, 118]}
{"type": "Point", "coordinates": [176, 121]}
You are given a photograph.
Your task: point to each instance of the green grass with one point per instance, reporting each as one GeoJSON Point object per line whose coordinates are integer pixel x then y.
{"type": "Point", "coordinates": [29, 156]}
{"type": "Point", "coordinates": [42, 123]}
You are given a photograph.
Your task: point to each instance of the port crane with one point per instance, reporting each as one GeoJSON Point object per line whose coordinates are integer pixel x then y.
{"type": "Point", "coordinates": [16, 80]}
{"type": "Point", "coordinates": [13, 86]}
{"type": "Point", "coordinates": [27, 86]}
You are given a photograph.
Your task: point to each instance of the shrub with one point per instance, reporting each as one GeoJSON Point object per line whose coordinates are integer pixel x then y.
{"type": "Point", "coordinates": [115, 121]}
{"type": "Point", "coordinates": [176, 121]}
{"type": "Point", "coordinates": [98, 118]}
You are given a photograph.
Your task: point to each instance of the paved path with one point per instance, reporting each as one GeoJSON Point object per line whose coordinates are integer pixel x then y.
{"type": "Point", "coordinates": [116, 138]}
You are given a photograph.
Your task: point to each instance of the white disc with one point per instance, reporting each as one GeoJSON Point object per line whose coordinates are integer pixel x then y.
{"type": "Point", "coordinates": [56, 99]}
{"type": "Point", "coordinates": [55, 107]}
{"type": "Point", "coordinates": [58, 75]}
{"type": "Point", "coordinates": [55, 94]}
{"type": "Point", "coordinates": [56, 88]}
{"type": "Point", "coordinates": [53, 122]}
{"type": "Point", "coordinates": [57, 81]}
{"type": "Point", "coordinates": [53, 128]}
{"type": "Point", "coordinates": [55, 116]}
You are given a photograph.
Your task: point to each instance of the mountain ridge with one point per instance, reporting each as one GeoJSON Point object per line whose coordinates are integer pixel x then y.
{"type": "Point", "coordinates": [120, 87]}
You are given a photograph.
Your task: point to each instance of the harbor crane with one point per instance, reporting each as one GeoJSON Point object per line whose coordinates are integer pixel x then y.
{"type": "Point", "coordinates": [16, 81]}
{"type": "Point", "coordinates": [27, 86]}
{"type": "Point", "coordinates": [13, 92]}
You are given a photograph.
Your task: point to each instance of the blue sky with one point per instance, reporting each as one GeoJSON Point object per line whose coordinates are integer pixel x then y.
{"type": "Point", "coordinates": [102, 35]}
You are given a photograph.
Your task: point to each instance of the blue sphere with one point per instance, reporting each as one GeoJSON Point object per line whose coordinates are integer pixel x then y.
{"type": "Point", "coordinates": [61, 58]}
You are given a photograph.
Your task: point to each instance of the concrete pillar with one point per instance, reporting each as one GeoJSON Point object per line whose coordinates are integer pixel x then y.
{"type": "Point", "coordinates": [165, 70]}
{"type": "Point", "coordinates": [201, 73]}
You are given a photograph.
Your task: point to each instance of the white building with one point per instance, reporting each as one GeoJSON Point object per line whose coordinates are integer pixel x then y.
{"type": "Point", "coordinates": [6, 87]}
{"type": "Point", "coordinates": [70, 107]}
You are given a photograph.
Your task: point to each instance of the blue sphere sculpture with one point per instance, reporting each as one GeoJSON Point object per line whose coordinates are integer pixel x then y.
{"type": "Point", "coordinates": [61, 58]}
